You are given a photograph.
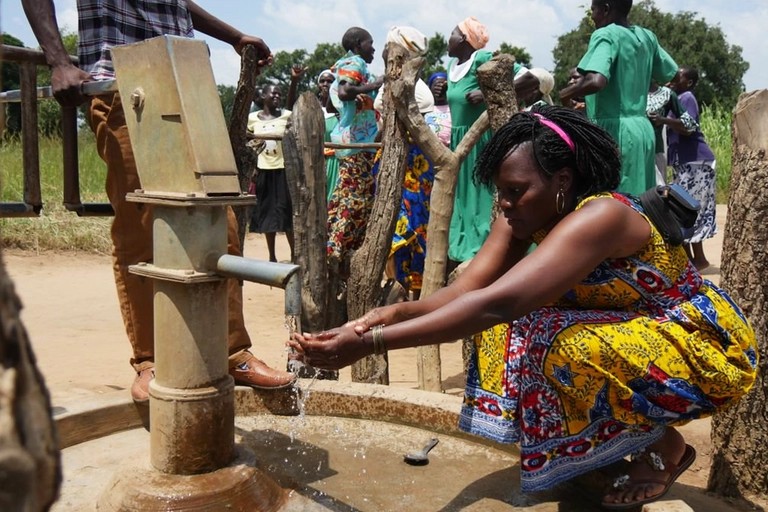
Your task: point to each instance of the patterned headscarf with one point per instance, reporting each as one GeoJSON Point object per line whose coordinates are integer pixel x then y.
{"type": "Point", "coordinates": [475, 32]}
{"type": "Point", "coordinates": [409, 38]}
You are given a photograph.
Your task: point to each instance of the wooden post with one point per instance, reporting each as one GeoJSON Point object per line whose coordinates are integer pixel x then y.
{"type": "Point", "coordinates": [29, 134]}
{"type": "Point", "coordinates": [367, 263]}
{"type": "Point", "coordinates": [30, 464]}
{"type": "Point", "coordinates": [305, 172]}
{"type": "Point", "coordinates": [740, 433]}
{"type": "Point", "coordinates": [245, 158]}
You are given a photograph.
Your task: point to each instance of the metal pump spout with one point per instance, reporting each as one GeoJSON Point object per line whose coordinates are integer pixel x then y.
{"type": "Point", "coordinates": [281, 275]}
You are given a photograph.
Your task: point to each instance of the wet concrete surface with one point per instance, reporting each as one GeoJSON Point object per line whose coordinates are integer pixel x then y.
{"type": "Point", "coordinates": [351, 465]}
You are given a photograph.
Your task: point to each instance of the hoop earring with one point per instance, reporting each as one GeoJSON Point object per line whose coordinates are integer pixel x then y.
{"type": "Point", "coordinates": [560, 201]}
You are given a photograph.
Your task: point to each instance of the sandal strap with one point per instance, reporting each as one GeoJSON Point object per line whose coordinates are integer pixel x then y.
{"type": "Point", "coordinates": [656, 460]}
{"type": "Point", "coordinates": [657, 463]}
{"type": "Point", "coordinates": [646, 481]}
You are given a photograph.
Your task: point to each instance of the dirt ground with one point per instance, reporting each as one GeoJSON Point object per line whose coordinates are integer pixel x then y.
{"type": "Point", "coordinates": [71, 314]}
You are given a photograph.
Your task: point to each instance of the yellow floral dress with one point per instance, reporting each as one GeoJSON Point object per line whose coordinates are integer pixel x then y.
{"type": "Point", "coordinates": [642, 343]}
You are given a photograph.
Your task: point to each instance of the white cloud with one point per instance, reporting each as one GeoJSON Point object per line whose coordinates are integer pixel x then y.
{"type": "Point", "coordinates": [66, 15]}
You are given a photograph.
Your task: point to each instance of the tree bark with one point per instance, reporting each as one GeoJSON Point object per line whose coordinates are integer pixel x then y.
{"type": "Point", "coordinates": [496, 82]}
{"type": "Point", "coordinates": [740, 433]}
{"type": "Point", "coordinates": [245, 158]}
{"type": "Point", "coordinates": [30, 465]}
{"type": "Point", "coordinates": [364, 291]}
{"type": "Point", "coordinates": [305, 173]}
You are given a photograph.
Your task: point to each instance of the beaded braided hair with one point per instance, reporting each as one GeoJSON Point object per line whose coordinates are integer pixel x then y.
{"type": "Point", "coordinates": [595, 159]}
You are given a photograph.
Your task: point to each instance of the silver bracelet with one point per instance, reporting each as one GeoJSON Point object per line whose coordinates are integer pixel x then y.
{"type": "Point", "coordinates": [379, 347]}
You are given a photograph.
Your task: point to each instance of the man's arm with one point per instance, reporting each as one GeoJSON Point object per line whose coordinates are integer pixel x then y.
{"type": "Point", "coordinates": [590, 83]}
{"type": "Point", "coordinates": [65, 76]}
{"type": "Point", "coordinates": [207, 23]}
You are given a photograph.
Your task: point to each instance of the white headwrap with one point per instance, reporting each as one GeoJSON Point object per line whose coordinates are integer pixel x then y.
{"type": "Point", "coordinates": [409, 38]}
{"type": "Point", "coordinates": [546, 83]}
{"type": "Point", "coordinates": [422, 93]}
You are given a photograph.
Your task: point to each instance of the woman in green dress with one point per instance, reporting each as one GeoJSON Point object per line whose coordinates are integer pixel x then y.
{"type": "Point", "coordinates": [471, 220]}
{"type": "Point", "coordinates": [619, 64]}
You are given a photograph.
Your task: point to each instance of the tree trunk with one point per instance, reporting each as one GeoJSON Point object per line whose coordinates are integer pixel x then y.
{"type": "Point", "coordinates": [245, 158]}
{"type": "Point", "coordinates": [740, 433]}
{"type": "Point", "coordinates": [305, 173]}
{"type": "Point", "coordinates": [364, 291]}
{"type": "Point", "coordinates": [496, 81]}
{"type": "Point", "coordinates": [30, 466]}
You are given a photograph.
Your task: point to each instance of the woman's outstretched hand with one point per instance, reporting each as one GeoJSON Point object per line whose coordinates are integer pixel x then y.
{"type": "Point", "coordinates": [378, 316]}
{"type": "Point", "coordinates": [333, 349]}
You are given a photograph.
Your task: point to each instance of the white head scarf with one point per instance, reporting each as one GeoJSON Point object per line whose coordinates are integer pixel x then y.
{"type": "Point", "coordinates": [409, 38]}
{"type": "Point", "coordinates": [416, 44]}
{"type": "Point", "coordinates": [546, 83]}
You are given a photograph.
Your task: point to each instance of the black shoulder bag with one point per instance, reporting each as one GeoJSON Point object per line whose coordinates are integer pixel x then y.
{"type": "Point", "coordinates": [672, 210]}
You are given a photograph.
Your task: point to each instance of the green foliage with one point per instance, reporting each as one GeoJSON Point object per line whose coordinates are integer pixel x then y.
{"type": "Point", "coordinates": [9, 80]}
{"type": "Point", "coordinates": [569, 49]}
{"type": "Point", "coordinates": [323, 57]}
{"type": "Point", "coordinates": [49, 111]}
{"type": "Point", "coordinates": [691, 41]}
{"type": "Point", "coordinates": [520, 54]}
{"type": "Point", "coordinates": [437, 48]}
{"type": "Point", "coordinates": [227, 97]}
{"type": "Point", "coordinates": [716, 127]}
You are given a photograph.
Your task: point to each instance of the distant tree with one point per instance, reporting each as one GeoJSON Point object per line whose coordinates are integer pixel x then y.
{"type": "Point", "coordinates": [520, 54]}
{"type": "Point", "coordinates": [227, 97]}
{"type": "Point", "coordinates": [49, 111]}
{"type": "Point", "coordinates": [690, 40]}
{"type": "Point", "coordinates": [437, 49]}
{"type": "Point", "coordinates": [9, 80]}
{"type": "Point", "coordinates": [323, 57]}
{"type": "Point", "coordinates": [280, 70]}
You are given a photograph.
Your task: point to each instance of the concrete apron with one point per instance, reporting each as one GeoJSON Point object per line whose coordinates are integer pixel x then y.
{"type": "Point", "coordinates": [323, 446]}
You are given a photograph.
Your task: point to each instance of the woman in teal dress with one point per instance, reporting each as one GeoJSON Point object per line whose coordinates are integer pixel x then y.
{"type": "Point", "coordinates": [619, 64]}
{"type": "Point", "coordinates": [331, 115]}
{"type": "Point", "coordinates": [331, 162]}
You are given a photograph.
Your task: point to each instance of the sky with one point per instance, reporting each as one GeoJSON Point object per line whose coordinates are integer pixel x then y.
{"type": "Point", "coordinates": [531, 24]}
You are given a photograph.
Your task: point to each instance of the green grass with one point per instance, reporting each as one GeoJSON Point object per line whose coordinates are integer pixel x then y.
{"type": "Point", "coordinates": [56, 229]}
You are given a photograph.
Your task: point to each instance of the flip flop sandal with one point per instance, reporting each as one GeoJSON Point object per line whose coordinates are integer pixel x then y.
{"type": "Point", "coordinates": [589, 487]}
{"type": "Point", "coordinates": [656, 462]}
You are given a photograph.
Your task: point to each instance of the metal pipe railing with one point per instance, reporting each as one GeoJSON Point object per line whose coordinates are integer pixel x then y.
{"type": "Point", "coordinates": [28, 95]}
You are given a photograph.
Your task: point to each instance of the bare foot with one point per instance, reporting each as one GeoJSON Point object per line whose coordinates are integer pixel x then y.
{"type": "Point", "coordinates": [648, 480]}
